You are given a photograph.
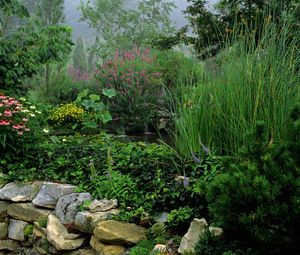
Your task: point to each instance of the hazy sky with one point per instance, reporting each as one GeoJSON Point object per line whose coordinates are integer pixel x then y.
{"type": "Point", "coordinates": [81, 29]}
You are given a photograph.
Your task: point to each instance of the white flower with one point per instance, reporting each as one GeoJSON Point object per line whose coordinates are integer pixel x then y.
{"type": "Point", "coordinates": [32, 114]}
{"type": "Point", "coordinates": [22, 99]}
{"type": "Point", "coordinates": [32, 107]}
{"type": "Point", "coordinates": [25, 110]}
{"type": "Point", "coordinates": [64, 140]}
{"type": "Point", "coordinates": [45, 130]}
{"type": "Point", "coordinates": [38, 112]}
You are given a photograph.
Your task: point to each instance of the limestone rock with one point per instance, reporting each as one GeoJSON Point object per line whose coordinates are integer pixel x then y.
{"type": "Point", "coordinates": [115, 232]}
{"type": "Point", "coordinates": [103, 205]}
{"type": "Point", "coordinates": [106, 249]}
{"type": "Point", "coordinates": [3, 230]}
{"type": "Point", "coordinates": [190, 239]}
{"type": "Point", "coordinates": [40, 231]}
{"type": "Point", "coordinates": [161, 248]}
{"type": "Point", "coordinates": [58, 235]}
{"type": "Point", "coordinates": [27, 212]}
{"type": "Point", "coordinates": [16, 230]}
{"type": "Point", "coordinates": [216, 231]}
{"type": "Point", "coordinates": [51, 192]}
{"type": "Point", "coordinates": [3, 210]}
{"type": "Point", "coordinates": [81, 252]}
{"type": "Point", "coordinates": [10, 245]}
{"type": "Point", "coordinates": [86, 221]}
{"type": "Point", "coordinates": [68, 206]}
{"type": "Point", "coordinates": [18, 192]}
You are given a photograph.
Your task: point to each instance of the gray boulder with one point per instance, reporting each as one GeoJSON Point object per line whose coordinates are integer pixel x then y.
{"type": "Point", "coordinates": [68, 206]}
{"type": "Point", "coordinates": [51, 192]}
{"type": "Point", "coordinates": [18, 192]}
{"type": "Point", "coordinates": [16, 230]}
{"type": "Point", "coordinates": [86, 221]}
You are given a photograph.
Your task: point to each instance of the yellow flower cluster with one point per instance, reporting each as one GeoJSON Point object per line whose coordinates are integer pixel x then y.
{"type": "Point", "coordinates": [67, 114]}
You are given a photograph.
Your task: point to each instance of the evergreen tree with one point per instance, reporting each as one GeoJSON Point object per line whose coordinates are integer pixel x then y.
{"type": "Point", "coordinates": [79, 57]}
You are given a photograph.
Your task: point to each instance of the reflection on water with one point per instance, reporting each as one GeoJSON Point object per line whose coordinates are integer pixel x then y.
{"type": "Point", "coordinates": [147, 137]}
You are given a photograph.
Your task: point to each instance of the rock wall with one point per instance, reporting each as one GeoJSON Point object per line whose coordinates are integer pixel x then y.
{"type": "Point", "coordinates": [51, 218]}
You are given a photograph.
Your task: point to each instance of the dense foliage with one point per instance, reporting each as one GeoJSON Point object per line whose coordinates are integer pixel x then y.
{"type": "Point", "coordinates": [25, 50]}
{"type": "Point", "coordinates": [265, 209]}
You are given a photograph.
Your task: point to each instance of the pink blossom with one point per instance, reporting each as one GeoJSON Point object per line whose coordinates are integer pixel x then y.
{"type": "Point", "coordinates": [17, 127]}
{"type": "Point", "coordinates": [25, 119]}
{"type": "Point", "coordinates": [4, 122]}
{"type": "Point", "coordinates": [7, 113]}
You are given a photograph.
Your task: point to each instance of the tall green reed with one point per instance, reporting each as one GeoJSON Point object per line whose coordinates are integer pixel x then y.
{"type": "Point", "coordinates": [257, 79]}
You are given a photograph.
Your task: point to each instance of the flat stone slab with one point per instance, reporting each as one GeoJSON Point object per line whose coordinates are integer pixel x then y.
{"type": "Point", "coordinates": [51, 192]}
{"type": "Point", "coordinates": [27, 212]}
{"type": "Point", "coordinates": [10, 245]}
{"type": "Point", "coordinates": [18, 192]}
{"type": "Point", "coordinates": [86, 221]}
{"type": "Point", "coordinates": [116, 232]}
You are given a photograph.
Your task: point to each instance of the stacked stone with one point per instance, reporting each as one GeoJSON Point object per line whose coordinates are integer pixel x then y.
{"type": "Point", "coordinates": [47, 218]}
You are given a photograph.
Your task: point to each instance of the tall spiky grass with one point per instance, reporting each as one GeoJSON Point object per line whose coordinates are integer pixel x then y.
{"type": "Point", "coordinates": [258, 79]}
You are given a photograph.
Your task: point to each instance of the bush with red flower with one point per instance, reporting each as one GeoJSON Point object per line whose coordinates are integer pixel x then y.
{"type": "Point", "coordinates": [133, 74]}
{"type": "Point", "coordinates": [14, 118]}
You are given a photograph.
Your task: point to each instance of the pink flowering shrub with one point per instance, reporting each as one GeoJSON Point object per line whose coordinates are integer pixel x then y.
{"type": "Point", "coordinates": [14, 118]}
{"type": "Point", "coordinates": [133, 74]}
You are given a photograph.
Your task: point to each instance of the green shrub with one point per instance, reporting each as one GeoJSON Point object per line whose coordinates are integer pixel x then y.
{"type": "Point", "coordinates": [257, 200]}
{"type": "Point", "coordinates": [176, 68]}
{"type": "Point", "coordinates": [139, 251]}
{"type": "Point", "coordinates": [179, 216]}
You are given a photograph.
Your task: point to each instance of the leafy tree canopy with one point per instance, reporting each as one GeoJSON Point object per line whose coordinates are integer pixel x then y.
{"type": "Point", "coordinates": [22, 53]}
{"type": "Point", "coordinates": [121, 23]}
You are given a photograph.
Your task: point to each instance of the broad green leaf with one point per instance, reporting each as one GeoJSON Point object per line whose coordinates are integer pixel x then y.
{"type": "Point", "coordinates": [110, 93]}
{"type": "Point", "coordinates": [94, 97]}
{"type": "Point", "coordinates": [106, 117]}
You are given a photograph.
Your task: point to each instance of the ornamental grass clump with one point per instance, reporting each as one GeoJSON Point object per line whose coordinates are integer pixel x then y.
{"type": "Point", "coordinates": [66, 115]}
{"type": "Point", "coordinates": [134, 76]}
{"type": "Point", "coordinates": [257, 79]}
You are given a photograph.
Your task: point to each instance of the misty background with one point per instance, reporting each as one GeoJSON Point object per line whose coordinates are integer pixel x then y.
{"type": "Point", "coordinates": [82, 29]}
